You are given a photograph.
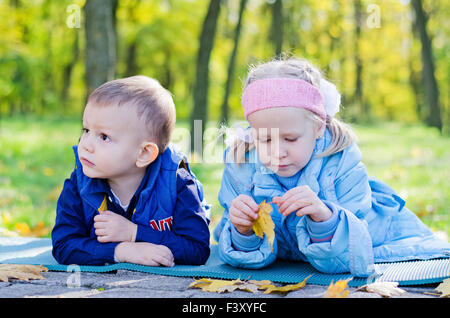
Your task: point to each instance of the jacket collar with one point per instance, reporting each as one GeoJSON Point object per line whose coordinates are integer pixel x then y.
{"type": "Point", "coordinates": [93, 190]}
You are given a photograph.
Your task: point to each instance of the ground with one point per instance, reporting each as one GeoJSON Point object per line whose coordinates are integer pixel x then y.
{"type": "Point", "coordinates": [130, 284]}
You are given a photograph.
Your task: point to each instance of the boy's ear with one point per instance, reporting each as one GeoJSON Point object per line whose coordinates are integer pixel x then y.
{"type": "Point", "coordinates": [147, 154]}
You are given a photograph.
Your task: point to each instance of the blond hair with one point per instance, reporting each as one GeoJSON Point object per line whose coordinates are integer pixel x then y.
{"type": "Point", "coordinates": [341, 133]}
{"type": "Point", "coordinates": [154, 104]}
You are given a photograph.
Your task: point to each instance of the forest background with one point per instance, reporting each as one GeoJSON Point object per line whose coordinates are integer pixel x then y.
{"type": "Point", "coordinates": [389, 59]}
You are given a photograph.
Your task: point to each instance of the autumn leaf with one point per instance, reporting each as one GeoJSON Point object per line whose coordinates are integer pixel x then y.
{"type": "Point", "coordinates": [264, 224]}
{"type": "Point", "coordinates": [103, 206]}
{"type": "Point", "coordinates": [269, 288]}
{"type": "Point", "coordinates": [338, 289]}
{"type": "Point", "coordinates": [20, 271]}
{"type": "Point", "coordinates": [384, 289]}
{"type": "Point", "coordinates": [222, 286]}
{"type": "Point", "coordinates": [444, 288]}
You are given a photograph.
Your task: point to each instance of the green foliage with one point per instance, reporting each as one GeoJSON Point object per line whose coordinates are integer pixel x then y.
{"type": "Point", "coordinates": [160, 39]}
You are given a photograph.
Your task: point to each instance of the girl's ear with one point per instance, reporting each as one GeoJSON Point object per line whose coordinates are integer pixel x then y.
{"type": "Point", "coordinates": [320, 130]}
{"type": "Point", "coordinates": [147, 154]}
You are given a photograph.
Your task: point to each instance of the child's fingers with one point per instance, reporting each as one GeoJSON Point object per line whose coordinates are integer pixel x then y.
{"type": "Point", "coordinates": [239, 221]}
{"type": "Point", "coordinates": [244, 208]}
{"type": "Point", "coordinates": [294, 206]}
{"type": "Point", "coordinates": [249, 202]}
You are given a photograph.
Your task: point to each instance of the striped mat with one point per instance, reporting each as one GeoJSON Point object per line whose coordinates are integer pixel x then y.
{"type": "Point", "coordinates": [20, 250]}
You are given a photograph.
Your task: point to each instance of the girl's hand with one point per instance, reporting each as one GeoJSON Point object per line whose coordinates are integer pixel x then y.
{"type": "Point", "coordinates": [144, 253]}
{"type": "Point", "coordinates": [112, 227]}
{"type": "Point", "coordinates": [243, 212]}
{"type": "Point", "coordinates": [305, 202]}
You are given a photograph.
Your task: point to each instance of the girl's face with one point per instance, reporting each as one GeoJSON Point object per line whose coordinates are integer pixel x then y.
{"type": "Point", "coordinates": [285, 138]}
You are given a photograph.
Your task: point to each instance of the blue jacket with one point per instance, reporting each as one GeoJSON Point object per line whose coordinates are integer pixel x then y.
{"type": "Point", "coordinates": [168, 207]}
{"type": "Point", "coordinates": [370, 223]}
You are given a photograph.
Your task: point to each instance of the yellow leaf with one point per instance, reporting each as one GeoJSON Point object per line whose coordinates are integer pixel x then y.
{"type": "Point", "coordinates": [338, 289]}
{"type": "Point", "coordinates": [103, 206]}
{"type": "Point", "coordinates": [444, 288]}
{"type": "Point", "coordinates": [212, 285]}
{"type": "Point", "coordinates": [264, 224]}
{"type": "Point", "coordinates": [283, 289]}
{"type": "Point", "coordinates": [22, 272]}
{"type": "Point", "coordinates": [222, 286]}
{"type": "Point", "coordinates": [23, 229]}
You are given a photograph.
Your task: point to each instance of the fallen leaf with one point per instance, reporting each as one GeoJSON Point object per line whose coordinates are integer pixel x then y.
{"type": "Point", "coordinates": [338, 289]}
{"type": "Point", "coordinates": [213, 285]}
{"type": "Point", "coordinates": [384, 289]}
{"type": "Point", "coordinates": [444, 288]}
{"type": "Point", "coordinates": [270, 288]}
{"type": "Point", "coordinates": [264, 224]}
{"type": "Point", "coordinates": [21, 272]}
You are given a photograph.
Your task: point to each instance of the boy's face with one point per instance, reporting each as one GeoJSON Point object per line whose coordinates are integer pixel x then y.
{"type": "Point", "coordinates": [285, 138]}
{"type": "Point", "coordinates": [111, 141]}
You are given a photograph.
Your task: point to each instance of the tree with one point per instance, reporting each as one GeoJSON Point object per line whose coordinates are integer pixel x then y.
{"type": "Point", "coordinates": [277, 27]}
{"type": "Point", "coordinates": [429, 80]}
{"type": "Point", "coordinates": [200, 109]}
{"type": "Point", "coordinates": [358, 97]}
{"type": "Point", "coordinates": [231, 63]}
{"type": "Point", "coordinates": [100, 63]}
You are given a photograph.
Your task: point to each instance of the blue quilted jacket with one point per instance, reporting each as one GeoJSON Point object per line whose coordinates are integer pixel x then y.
{"type": "Point", "coordinates": [370, 223]}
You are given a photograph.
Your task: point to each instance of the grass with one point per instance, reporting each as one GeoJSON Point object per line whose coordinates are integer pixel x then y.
{"type": "Point", "coordinates": [36, 157]}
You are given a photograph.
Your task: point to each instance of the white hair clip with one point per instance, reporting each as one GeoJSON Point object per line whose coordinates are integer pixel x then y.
{"type": "Point", "coordinates": [331, 97]}
{"type": "Point", "coordinates": [238, 132]}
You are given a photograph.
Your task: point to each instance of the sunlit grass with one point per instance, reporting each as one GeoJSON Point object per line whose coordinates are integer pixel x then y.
{"type": "Point", "coordinates": [36, 156]}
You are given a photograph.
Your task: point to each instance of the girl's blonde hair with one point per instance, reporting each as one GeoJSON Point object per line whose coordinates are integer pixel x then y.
{"type": "Point", "coordinates": [341, 133]}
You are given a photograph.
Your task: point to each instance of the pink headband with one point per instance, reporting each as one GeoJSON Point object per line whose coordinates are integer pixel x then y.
{"type": "Point", "coordinates": [282, 92]}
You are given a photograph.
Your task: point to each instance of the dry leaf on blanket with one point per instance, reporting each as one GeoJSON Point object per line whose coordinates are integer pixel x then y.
{"type": "Point", "coordinates": [444, 288]}
{"type": "Point", "coordinates": [20, 271]}
{"type": "Point", "coordinates": [264, 224]}
{"type": "Point", "coordinates": [338, 289]}
{"type": "Point", "coordinates": [384, 289]}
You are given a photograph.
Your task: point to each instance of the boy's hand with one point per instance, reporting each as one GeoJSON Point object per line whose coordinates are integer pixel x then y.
{"type": "Point", "coordinates": [243, 213]}
{"type": "Point", "coordinates": [112, 227]}
{"type": "Point", "coordinates": [144, 253]}
{"type": "Point", "coordinates": [302, 200]}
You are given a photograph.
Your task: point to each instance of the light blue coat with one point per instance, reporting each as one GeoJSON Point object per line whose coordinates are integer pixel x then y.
{"type": "Point", "coordinates": [371, 223]}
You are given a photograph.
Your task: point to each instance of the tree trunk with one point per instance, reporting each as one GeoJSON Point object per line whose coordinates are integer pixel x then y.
{"type": "Point", "coordinates": [231, 63]}
{"type": "Point", "coordinates": [433, 118]}
{"type": "Point", "coordinates": [200, 109]}
{"type": "Point", "coordinates": [67, 71]}
{"type": "Point", "coordinates": [100, 60]}
{"type": "Point", "coordinates": [277, 27]}
{"type": "Point", "coordinates": [358, 97]}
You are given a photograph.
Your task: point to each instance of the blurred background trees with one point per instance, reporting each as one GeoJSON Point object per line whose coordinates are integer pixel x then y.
{"type": "Point", "coordinates": [390, 58]}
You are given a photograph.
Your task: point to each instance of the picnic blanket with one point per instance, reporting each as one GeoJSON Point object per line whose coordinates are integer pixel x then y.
{"type": "Point", "coordinates": [38, 251]}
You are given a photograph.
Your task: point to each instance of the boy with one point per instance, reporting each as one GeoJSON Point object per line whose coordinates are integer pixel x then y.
{"type": "Point", "coordinates": [131, 197]}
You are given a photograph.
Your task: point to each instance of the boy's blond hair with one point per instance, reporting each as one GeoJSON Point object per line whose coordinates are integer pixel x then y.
{"type": "Point", "coordinates": [154, 104]}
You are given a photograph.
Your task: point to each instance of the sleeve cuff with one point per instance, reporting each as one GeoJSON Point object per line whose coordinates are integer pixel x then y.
{"type": "Point", "coordinates": [323, 231]}
{"type": "Point", "coordinates": [244, 243]}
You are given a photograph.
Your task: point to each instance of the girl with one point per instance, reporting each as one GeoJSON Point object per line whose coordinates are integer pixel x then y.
{"type": "Point", "coordinates": [306, 163]}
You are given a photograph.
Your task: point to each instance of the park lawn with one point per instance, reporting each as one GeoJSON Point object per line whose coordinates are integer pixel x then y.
{"type": "Point", "coordinates": [36, 157]}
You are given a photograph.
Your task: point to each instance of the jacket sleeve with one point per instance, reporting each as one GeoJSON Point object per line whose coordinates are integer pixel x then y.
{"type": "Point", "coordinates": [350, 247]}
{"type": "Point", "coordinates": [189, 237]}
{"type": "Point", "coordinates": [234, 248]}
{"type": "Point", "coordinates": [71, 236]}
